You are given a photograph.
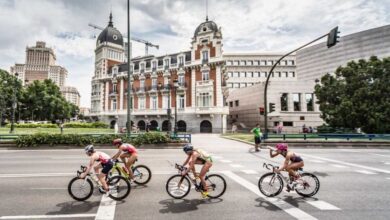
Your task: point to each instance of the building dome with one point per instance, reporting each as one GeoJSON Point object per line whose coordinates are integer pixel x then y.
{"type": "Point", "coordinates": [206, 27]}
{"type": "Point", "coordinates": [110, 34]}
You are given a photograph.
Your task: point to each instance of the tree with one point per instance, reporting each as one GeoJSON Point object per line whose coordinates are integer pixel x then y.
{"type": "Point", "coordinates": [357, 96]}
{"type": "Point", "coordinates": [9, 86]}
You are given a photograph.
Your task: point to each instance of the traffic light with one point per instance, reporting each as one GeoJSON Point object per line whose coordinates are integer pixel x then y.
{"type": "Point", "coordinates": [261, 110]}
{"type": "Point", "coordinates": [271, 107]}
{"type": "Point", "coordinates": [333, 37]}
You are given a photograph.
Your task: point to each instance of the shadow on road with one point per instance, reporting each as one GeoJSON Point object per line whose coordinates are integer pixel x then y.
{"type": "Point", "coordinates": [295, 201]}
{"type": "Point", "coordinates": [184, 205]}
{"type": "Point", "coordinates": [321, 174]}
{"type": "Point", "coordinates": [74, 207]}
{"type": "Point", "coordinates": [267, 205]}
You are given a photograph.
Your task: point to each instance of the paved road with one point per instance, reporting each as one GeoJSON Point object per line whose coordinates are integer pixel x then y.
{"type": "Point", "coordinates": [354, 185]}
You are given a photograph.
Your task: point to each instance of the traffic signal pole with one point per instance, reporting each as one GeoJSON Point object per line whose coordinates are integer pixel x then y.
{"type": "Point", "coordinates": [332, 34]}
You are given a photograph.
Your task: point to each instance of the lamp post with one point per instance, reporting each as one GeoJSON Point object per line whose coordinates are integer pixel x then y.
{"type": "Point", "coordinates": [14, 104]}
{"type": "Point", "coordinates": [129, 104]}
{"type": "Point", "coordinates": [175, 86]}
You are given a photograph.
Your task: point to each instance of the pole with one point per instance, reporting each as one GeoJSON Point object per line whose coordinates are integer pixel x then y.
{"type": "Point", "coordinates": [169, 108]}
{"type": "Point", "coordinates": [13, 111]}
{"type": "Point", "coordinates": [128, 124]}
{"type": "Point", "coordinates": [268, 77]}
{"type": "Point", "coordinates": [175, 129]}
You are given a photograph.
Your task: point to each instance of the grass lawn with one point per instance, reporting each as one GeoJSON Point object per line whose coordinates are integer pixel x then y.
{"type": "Point", "coordinates": [4, 130]}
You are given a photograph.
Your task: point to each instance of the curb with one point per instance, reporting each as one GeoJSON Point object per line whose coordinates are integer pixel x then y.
{"type": "Point", "coordinates": [68, 147]}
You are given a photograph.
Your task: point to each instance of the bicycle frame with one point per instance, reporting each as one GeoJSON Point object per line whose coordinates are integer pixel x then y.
{"type": "Point", "coordinates": [89, 176]}
{"type": "Point", "coordinates": [198, 187]}
{"type": "Point", "coordinates": [284, 178]}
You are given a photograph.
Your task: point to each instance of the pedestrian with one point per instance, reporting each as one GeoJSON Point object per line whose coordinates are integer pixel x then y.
{"type": "Point", "coordinates": [257, 132]}
{"type": "Point", "coordinates": [234, 128]}
{"type": "Point", "coordinates": [280, 128]}
{"type": "Point", "coordinates": [310, 129]}
{"type": "Point", "coordinates": [147, 126]}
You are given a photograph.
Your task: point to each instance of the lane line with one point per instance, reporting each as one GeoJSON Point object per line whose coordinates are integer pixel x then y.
{"type": "Point", "coordinates": [365, 172]}
{"type": "Point", "coordinates": [338, 166]}
{"type": "Point", "coordinates": [348, 164]}
{"type": "Point", "coordinates": [322, 205]}
{"type": "Point", "coordinates": [283, 205]}
{"type": "Point", "coordinates": [316, 161]}
{"type": "Point", "coordinates": [226, 161]}
{"type": "Point", "coordinates": [250, 171]}
{"type": "Point", "coordinates": [106, 209]}
{"type": "Point", "coordinates": [48, 216]}
{"type": "Point", "coordinates": [388, 178]}
{"type": "Point", "coordinates": [236, 165]}
{"type": "Point", "coordinates": [381, 155]}
{"type": "Point", "coordinates": [216, 157]}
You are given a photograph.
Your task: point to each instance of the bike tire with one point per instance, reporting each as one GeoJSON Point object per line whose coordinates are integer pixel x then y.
{"type": "Point", "coordinates": [278, 179]}
{"type": "Point", "coordinates": [119, 184]}
{"type": "Point", "coordinates": [316, 182]}
{"type": "Point", "coordinates": [212, 184]}
{"type": "Point", "coordinates": [88, 187]}
{"type": "Point", "coordinates": [143, 168]}
{"type": "Point", "coordinates": [171, 183]}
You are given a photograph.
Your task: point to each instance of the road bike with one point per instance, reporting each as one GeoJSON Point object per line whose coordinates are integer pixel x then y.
{"type": "Point", "coordinates": [272, 183]}
{"type": "Point", "coordinates": [141, 173]}
{"type": "Point", "coordinates": [178, 186]}
{"type": "Point", "coordinates": [81, 189]}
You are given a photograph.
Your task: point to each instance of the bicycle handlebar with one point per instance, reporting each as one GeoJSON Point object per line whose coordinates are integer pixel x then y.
{"type": "Point", "coordinates": [270, 165]}
{"type": "Point", "coordinates": [180, 167]}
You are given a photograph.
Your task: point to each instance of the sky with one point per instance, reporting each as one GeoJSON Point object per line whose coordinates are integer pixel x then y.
{"type": "Point", "coordinates": [247, 26]}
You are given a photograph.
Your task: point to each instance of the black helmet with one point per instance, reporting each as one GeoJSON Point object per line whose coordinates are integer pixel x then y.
{"type": "Point", "coordinates": [89, 149]}
{"type": "Point", "coordinates": [188, 147]}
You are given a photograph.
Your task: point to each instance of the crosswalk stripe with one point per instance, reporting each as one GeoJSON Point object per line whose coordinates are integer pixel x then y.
{"type": "Point", "coordinates": [48, 216]}
{"type": "Point", "coordinates": [249, 171]}
{"type": "Point", "coordinates": [322, 205]}
{"type": "Point", "coordinates": [106, 210]}
{"type": "Point", "coordinates": [365, 172]}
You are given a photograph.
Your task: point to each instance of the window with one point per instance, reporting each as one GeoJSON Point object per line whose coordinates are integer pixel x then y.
{"type": "Point", "coordinates": [243, 74]}
{"type": "Point", "coordinates": [250, 63]}
{"type": "Point", "coordinates": [287, 123]}
{"type": "Point", "coordinates": [204, 100]}
{"type": "Point", "coordinates": [154, 64]}
{"type": "Point", "coordinates": [230, 104]}
{"type": "Point", "coordinates": [284, 102]}
{"type": "Point", "coordinates": [114, 88]}
{"type": "Point", "coordinates": [229, 63]}
{"type": "Point", "coordinates": [181, 102]}
{"type": "Point", "coordinates": [236, 85]}
{"type": "Point", "coordinates": [256, 63]}
{"type": "Point", "coordinates": [181, 61]}
{"type": "Point", "coordinates": [236, 74]}
{"type": "Point", "coordinates": [142, 84]}
{"type": "Point", "coordinates": [165, 102]}
{"type": "Point", "coordinates": [230, 74]}
{"type": "Point", "coordinates": [114, 104]}
{"type": "Point", "coordinates": [237, 103]}
{"type": "Point", "coordinates": [142, 66]}
{"type": "Point", "coordinates": [166, 63]}
{"type": "Point", "coordinates": [154, 83]}
{"type": "Point", "coordinates": [243, 63]}
{"type": "Point", "coordinates": [279, 74]}
{"type": "Point", "coordinates": [309, 102]}
{"type": "Point", "coordinates": [285, 74]}
{"type": "Point", "coordinates": [154, 102]}
{"type": "Point", "coordinates": [236, 63]}
{"type": "Point", "coordinates": [250, 74]}
{"type": "Point", "coordinates": [142, 103]}
{"type": "Point", "coordinates": [205, 55]}
{"type": "Point", "coordinates": [181, 80]}
{"type": "Point", "coordinates": [270, 62]}
{"type": "Point", "coordinates": [205, 75]}
{"type": "Point", "coordinates": [263, 63]}
{"type": "Point", "coordinates": [293, 74]}
{"type": "Point", "coordinates": [297, 101]}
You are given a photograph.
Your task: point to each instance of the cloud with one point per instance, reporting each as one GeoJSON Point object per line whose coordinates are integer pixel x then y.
{"type": "Point", "coordinates": [250, 25]}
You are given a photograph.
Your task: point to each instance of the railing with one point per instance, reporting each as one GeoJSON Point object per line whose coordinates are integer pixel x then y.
{"type": "Point", "coordinates": [329, 136]}
{"type": "Point", "coordinates": [186, 137]}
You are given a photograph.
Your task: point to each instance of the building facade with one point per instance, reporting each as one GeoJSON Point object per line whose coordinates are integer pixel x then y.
{"type": "Point", "coordinates": [189, 82]}
{"type": "Point", "coordinates": [71, 95]}
{"type": "Point", "coordinates": [40, 65]}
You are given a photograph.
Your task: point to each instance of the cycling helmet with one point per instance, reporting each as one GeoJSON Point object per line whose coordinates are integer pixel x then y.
{"type": "Point", "coordinates": [117, 141]}
{"type": "Point", "coordinates": [89, 149]}
{"type": "Point", "coordinates": [281, 147]}
{"type": "Point", "coordinates": [188, 147]}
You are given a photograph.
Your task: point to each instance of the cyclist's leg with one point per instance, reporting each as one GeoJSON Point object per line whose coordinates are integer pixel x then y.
{"type": "Point", "coordinates": [203, 172]}
{"type": "Point", "coordinates": [102, 176]}
{"type": "Point", "coordinates": [130, 161]}
{"type": "Point", "coordinates": [292, 167]}
{"type": "Point", "coordinates": [123, 159]}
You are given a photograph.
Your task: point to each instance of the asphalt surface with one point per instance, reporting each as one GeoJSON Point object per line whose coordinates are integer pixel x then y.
{"type": "Point", "coordinates": [354, 185]}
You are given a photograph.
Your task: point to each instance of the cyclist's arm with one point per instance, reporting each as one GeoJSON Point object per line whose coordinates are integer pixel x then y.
{"type": "Point", "coordinates": [89, 167]}
{"type": "Point", "coordinates": [188, 159]}
{"type": "Point", "coordinates": [272, 155]}
{"type": "Point", "coordinates": [117, 154]}
{"type": "Point", "coordinates": [285, 164]}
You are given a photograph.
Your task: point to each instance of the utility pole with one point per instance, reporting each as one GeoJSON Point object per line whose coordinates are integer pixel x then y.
{"type": "Point", "coordinates": [129, 104]}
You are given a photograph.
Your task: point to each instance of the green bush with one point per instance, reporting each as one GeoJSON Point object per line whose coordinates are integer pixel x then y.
{"type": "Point", "coordinates": [33, 125]}
{"type": "Point", "coordinates": [85, 125]}
{"type": "Point", "coordinates": [81, 140]}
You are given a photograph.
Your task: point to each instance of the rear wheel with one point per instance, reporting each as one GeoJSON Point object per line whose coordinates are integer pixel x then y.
{"type": "Point", "coordinates": [178, 186]}
{"type": "Point", "coordinates": [119, 187]}
{"type": "Point", "coordinates": [142, 174]}
{"type": "Point", "coordinates": [80, 189]}
{"type": "Point", "coordinates": [308, 185]}
{"type": "Point", "coordinates": [270, 184]}
{"type": "Point", "coordinates": [216, 185]}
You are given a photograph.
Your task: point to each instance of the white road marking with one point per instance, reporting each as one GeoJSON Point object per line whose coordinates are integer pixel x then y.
{"type": "Point", "coordinates": [365, 172]}
{"type": "Point", "coordinates": [288, 208]}
{"type": "Point", "coordinates": [226, 161]}
{"type": "Point", "coordinates": [236, 165]}
{"type": "Point", "coordinates": [250, 171]}
{"type": "Point", "coordinates": [321, 205]}
{"type": "Point", "coordinates": [106, 209]}
{"type": "Point", "coordinates": [339, 166]}
{"type": "Point", "coordinates": [316, 161]}
{"type": "Point", "coordinates": [388, 178]}
{"type": "Point", "coordinates": [381, 155]}
{"type": "Point", "coordinates": [48, 216]}
{"type": "Point", "coordinates": [387, 163]}
{"type": "Point", "coordinates": [348, 164]}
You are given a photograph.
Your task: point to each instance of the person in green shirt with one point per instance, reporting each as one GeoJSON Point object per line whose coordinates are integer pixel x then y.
{"type": "Point", "coordinates": [257, 132]}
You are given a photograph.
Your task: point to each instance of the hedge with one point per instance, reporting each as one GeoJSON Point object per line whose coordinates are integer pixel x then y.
{"type": "Point", "coordinates": [33, 125]}
{"type": "Point", "coordinates": [85, 125]}
{"type": "Point", "coordinates": [82, 140]}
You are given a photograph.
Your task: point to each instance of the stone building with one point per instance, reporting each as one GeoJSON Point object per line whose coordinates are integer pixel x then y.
{"type": "Point", "coordinates": [71, 95]}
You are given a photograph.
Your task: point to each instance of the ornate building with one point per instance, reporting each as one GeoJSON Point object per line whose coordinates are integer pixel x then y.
{"type": "Point", "coordinates": [197, 93]}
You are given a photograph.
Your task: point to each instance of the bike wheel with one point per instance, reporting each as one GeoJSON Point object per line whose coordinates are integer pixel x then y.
{"type": "Point", "coordinates": [142, 174]}
{"type": "Point", "coordinates": [216, 185]}
{"type": "Point", "coordinates": [178, 186]}
{"type": "Point", "coordinates": [80, 189]}
{"type": "Point", "coordinates": [270, 184]}
{"type": "Point", "coordinates": [113, 172]}
{"type": "Point", "coordinates": [119, 187]}
{"type": "Point", "coordinates": [308, 185]}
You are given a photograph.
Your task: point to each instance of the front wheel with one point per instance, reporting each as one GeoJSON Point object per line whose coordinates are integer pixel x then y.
{"type": "Point", "coordinates": [119, 187]}
{"type": "Point", "coordinates": [142, 174]}
{"type": "Point", "coordinates": [216, 185]}
{"type": "Point", "coordinates": [308, 185]}
{"type": "Point", "coordinates": [178, 186]}
{"type": "Point", "coordinates": [80, 189]}
{"type": "Point", "coordinates": [270, 184]}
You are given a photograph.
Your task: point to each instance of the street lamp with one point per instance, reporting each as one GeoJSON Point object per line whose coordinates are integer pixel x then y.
{"type": "Point", "coordinates": [14, 104]}
{"type": "Point", "coordinates": [129, 104]}
{"type": "Point", "coordinates": [175, 86]}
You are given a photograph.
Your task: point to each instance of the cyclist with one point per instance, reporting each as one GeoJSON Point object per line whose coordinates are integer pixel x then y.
{"type": "Point", "coordinates": [198, 156]}
{"type": "Point", "coordinates": [292, 162]}
{"type": "Point", "coordinates": [104, 163]}
{"type": "Point", "coordinates": [128, 151]}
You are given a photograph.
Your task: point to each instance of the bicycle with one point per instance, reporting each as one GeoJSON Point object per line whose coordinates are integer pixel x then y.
{"type": "Point", "coordinates": [178, 186]}
{"type": "Point", "coordinates": [271, 184]}
{"type": "Point", "coordinates": [81, 189]}
{"type": "Point", "coordinates": [141, 173]}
